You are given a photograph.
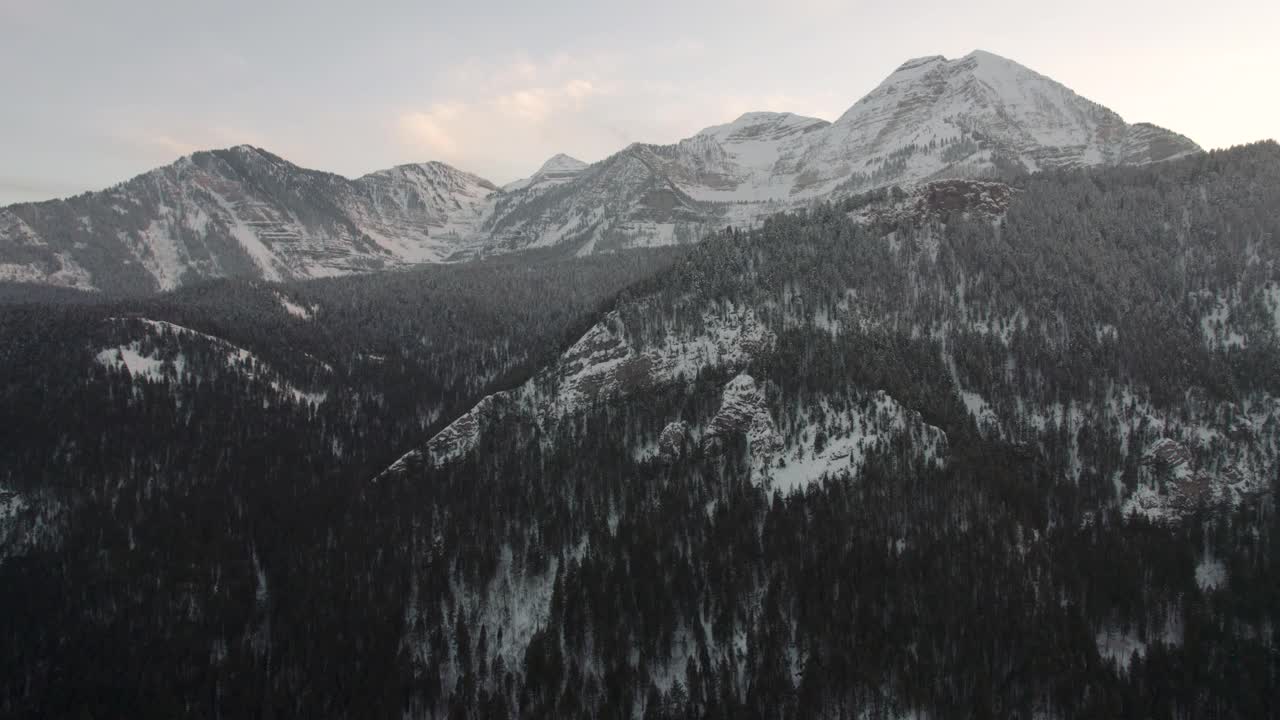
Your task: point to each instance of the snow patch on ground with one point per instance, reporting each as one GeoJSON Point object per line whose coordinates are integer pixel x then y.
{"type": "Point", "coordinates": [1211, 573]}
{"type": "Point", "coordinates": [296, 310]}
{"type": "Point", "coordinates": [983, 414]}
{"type": "Point", "coordinates": [1271, 296]}
{"type": "Point", "coordinates": [150, 367]}
{"type": "Point", "coordinates": [11, 503]}
{"type": "Point", "coordinates": [1119, 647]}
{"type": "Point", "coordinates": [849, 433]}
{"type": "Point", "coordinates": [1217, 327]}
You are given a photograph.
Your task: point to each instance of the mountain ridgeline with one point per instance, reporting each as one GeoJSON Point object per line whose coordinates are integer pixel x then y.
{"type": "Point", "coordinates": [244, 212]}
{"type": "Point", "coordinates": [995, 447]}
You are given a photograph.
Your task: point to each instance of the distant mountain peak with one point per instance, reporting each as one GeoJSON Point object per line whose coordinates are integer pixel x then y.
{"type": "Point", "coordinates": [557, 169]}
{"type": "Point", "coordinates": [560, 160]}
{"type": "Point", "coordinates": [920, 62]}
{"type": "Point", "coordinates": [757, 124]}
{"type": "Point", "coordinates": [434, 170]}
{"type": "Point", "coordinates": [980, 53]}
{"type": "Point", "coordinates": [977, 112]}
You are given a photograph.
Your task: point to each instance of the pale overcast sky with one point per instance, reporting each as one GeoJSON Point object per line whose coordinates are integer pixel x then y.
{"type": "Point", "coordinates": [95, 92]}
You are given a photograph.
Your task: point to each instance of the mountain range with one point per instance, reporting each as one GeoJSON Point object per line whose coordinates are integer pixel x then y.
{"type": "Point", "coordinates": [244, 212]}
{"type": "Point", "coordinates": [965, 405]}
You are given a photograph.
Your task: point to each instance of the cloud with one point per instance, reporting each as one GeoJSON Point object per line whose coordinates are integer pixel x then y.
{"type": "Point", "coordinates": [161, 145]}
{"type": "Point", "coordinates": [21, 189]}
{"type": "Point", "coordinates": [503, 119]}
{"type": "Point", "coordinates": [826, 104]}
{"type": "Point", "coordinates": [168, 144]}
{"type": "Point", "coordinates": [510, 114]}
{"type": "Point", "coordinates": [431, 129]}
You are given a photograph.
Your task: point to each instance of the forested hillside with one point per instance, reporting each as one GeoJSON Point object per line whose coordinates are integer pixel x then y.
{"type": "Point", "coordinates": [1099, 540]}
{"type": "Point", "coordinates": [150, 444]}
{"type": "Point", "coordinates": [964, 450]}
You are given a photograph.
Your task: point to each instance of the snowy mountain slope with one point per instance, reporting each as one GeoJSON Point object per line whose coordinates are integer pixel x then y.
{"type": "Point", "coordinates": [976, 115]}
{"type": "Point", "coordinates": [626, 200]}
{"type": "Point", "coordinates": [240, 212]}
{"type": "Point", "coordinates": [750, 159]}
{"type": "Point", "coordinates": [605, 364]}
{"type": "Point", "coordinates": [420, 213]}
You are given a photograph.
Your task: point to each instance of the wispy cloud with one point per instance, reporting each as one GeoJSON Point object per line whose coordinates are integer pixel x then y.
{"type": "Point", "coordinates": [513, 112]}
{"type": "Point", "coordinates": [166, 145]}
{"type": "Point", "coordinates": [503, 119]}
{"type": "Point", "coordinates": [19, 189]}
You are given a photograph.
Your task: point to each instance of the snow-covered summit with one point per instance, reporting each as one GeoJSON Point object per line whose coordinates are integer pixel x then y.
{"type": "Point", "coordinates": [435, 172]}
{"type": "Point", "coordinates": [560, 164]}
{"type": "Point", "coordinates": [976, 115]}
{"type": "Point", "coordinates": [558, 169]}
{"type": "Point", "coordinates": [919, 62]}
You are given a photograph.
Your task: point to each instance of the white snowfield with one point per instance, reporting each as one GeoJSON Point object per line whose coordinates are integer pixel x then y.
{"type": "Point", "coordinates": [245, 211]}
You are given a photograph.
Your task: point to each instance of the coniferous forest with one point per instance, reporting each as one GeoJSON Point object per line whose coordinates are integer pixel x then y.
{"type": "Point", "coordinates": [1003, 449]}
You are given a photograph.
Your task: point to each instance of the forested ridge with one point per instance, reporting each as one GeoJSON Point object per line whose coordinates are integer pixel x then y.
{"type": "Point", "coordinates": [750, 534]}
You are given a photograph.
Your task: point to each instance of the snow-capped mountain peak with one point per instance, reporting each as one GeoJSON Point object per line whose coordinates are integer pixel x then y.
{"type": "Point", "coordinates": [561, 163]}
{"type": "Point", "coordinates": [972, 116]}
{"type": "Point", "coordinates": [559, 168]}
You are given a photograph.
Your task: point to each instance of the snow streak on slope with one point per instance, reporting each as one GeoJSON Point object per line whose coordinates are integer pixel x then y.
{"type": "Point", "coordinates": [296, 310]}
{"type": "Point", "coordinates": [559, 169]}
{"type": "Point", "coordinates": [26, 257]}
